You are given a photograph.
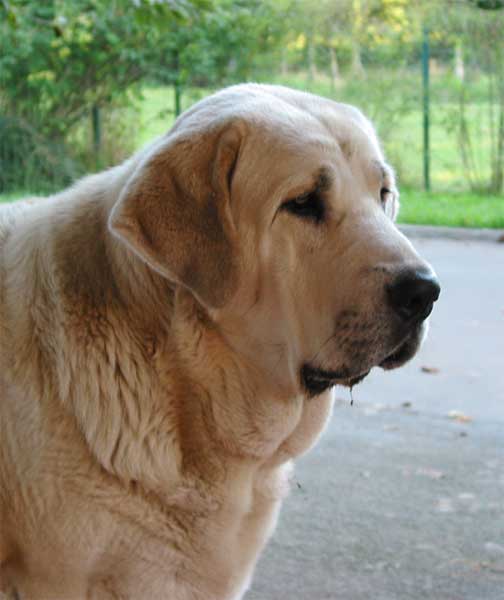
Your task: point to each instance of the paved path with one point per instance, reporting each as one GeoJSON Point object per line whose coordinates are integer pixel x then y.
{"type": "Point", "coordinates": [399, 501]}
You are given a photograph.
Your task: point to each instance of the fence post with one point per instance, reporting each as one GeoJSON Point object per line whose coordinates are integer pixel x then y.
{"type": "Point", "coordinates": [178, 94]}
{"type": "Point", "coordinates": [426, 107]}
{"type": "Point", "coordinates": [96, 120]}
{"type": "Point", "coordinates": [176, 86]}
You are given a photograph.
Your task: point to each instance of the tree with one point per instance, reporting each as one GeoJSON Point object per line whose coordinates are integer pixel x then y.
{"type": "Point", "coordinates": [62, 61]}
{"type": "Point", "coordinates": [336, 33]}
{"type": "Point", "coordinates": [58, 59]}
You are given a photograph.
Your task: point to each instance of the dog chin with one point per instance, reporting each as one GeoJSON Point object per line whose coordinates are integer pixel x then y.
{"type": "Point", "coordinates": [316, 381]}
{"type": "Point", "coordinates": [407, 349]}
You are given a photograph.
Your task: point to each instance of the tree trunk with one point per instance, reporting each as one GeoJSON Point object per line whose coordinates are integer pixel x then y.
{"type": "Point", "coordinates": [284, 65]}
{"type": "Point", "coordinates": [177, 88]}
{"type": "Point", "coordinates": [357, 66]}
{"type": "Point", "coordinates": [335, 71]}
{"type": "Point", "coordinates": [97, 135]}
{"type": "Point", "coordinates": [459, 61]}
{"type": "Point", "coordinates": [312, 68]}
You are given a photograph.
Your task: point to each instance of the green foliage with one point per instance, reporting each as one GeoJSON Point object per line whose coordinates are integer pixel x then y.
{"type": "Point", "coordinates": [224, 45]}
{"type": "Point", "coordinates": [478, 36]}
{"type": "Point", "coordinates": [489, 4]}
{"type": "Point", "coordinates": [58, 59]}
{"type": "Point", "coordinates": [29, 161]}
{"type": "Point", "coordinates": [61, 59]}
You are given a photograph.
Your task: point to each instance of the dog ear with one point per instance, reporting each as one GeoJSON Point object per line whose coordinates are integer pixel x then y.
{"type": "Point", "coordinates": [174, 213]}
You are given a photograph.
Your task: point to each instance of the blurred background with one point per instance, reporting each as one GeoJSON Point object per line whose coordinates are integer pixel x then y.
{"type": "Point", "coordinates": [84, 83]}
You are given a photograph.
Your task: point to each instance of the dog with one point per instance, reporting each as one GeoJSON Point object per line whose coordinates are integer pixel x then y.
{"type": "Point", "coordinates": [170, 331]}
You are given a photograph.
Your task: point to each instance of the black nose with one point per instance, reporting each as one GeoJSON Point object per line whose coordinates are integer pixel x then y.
{"type": "Point", "coordinates": [412, 294]}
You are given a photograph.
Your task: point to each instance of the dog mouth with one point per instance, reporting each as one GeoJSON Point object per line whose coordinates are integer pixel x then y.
{"type": "Point", "coordinates": [404, 352]}
{"type": "Point", "coordinates": [315, 380]}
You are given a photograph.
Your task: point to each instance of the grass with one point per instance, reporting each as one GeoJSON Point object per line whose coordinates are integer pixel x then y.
{"type": "Point", "coordinates": [399, 121]}
{"type": "Point", "coordinates": [401, 134]}
{"type": "Point", "coordinates": [449, 204]}
{"type": "Point", "coordinates": [156, 110]}
{"type": "Point", "coordinates": [12, 196]}
{"type": "Point", "coordinates": [427, 208]}
{"type": "Point", "coordinates": [451, 209]}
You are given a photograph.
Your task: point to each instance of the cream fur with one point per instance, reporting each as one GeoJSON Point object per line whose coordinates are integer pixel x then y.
{"type": "Point", "coordinates": [150, 400]}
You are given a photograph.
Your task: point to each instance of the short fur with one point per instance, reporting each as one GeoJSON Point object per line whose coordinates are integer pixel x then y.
{"type": "Point", "coordinates": [154, 319]}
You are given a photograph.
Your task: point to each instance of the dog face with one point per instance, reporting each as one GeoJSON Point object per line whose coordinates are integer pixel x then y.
{"type": "Point", "coordinates": [275, 208]}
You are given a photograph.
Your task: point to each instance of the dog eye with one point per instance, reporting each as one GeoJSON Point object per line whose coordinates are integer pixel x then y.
{"type": "Point", "coordinates": [385, 195]}
{"type": "Point", "coordinates": [306, 206]}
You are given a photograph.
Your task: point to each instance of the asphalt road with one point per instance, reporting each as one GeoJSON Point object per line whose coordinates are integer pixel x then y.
{"type": "Point", "coordinates": [403, 499]}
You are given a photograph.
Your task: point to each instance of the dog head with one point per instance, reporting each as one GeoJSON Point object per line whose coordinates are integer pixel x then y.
{"type": "Point", "coordinates": [275, 209]}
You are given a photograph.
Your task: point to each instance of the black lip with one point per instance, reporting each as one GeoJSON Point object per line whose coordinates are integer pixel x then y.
{"type": "Point", "coordinates": [316, 380]}
{"type": "Point", "coordinates": [402, 353]}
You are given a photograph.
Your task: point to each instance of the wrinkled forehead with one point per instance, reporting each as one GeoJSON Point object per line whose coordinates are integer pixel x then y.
{"type": "Point", "coordinates": [301, 139]}
{"type": "Point", "coordinates": [291, 134]}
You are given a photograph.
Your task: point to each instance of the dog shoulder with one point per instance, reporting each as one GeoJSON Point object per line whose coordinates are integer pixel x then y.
{"type": "Point", "coordinates": [75, 335]}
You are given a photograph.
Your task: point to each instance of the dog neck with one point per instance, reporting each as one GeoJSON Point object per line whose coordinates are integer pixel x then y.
{"type": "Point", "coordinates": [153, 385]}
{"type": "Point", "coordinates": [243, 414]}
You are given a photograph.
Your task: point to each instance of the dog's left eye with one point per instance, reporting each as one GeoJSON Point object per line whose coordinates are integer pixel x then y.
{"type": "Point", "coordinates": [385, 196]}
{"type": "Point", "coordinates": [307, 206]}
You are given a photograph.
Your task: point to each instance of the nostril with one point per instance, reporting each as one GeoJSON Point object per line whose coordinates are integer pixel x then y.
{"type": "Point", "coordinates": [413, 293]}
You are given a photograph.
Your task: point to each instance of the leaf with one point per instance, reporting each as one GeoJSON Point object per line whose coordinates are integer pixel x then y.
{"type": "Point", "coordinates": [430, 473]}
{"type": "Point", "coordinates": [430, 370]}
{"type": "Point", "coordinates": [459, 416]}
{"type": "Point", "coordinates": [390, 428]}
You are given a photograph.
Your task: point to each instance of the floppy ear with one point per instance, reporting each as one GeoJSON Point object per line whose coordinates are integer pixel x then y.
{"type": "Point", "coordinates": [174, 213]}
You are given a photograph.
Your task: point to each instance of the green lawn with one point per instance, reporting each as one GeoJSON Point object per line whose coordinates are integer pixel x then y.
{"type": "Point", "coordinates": [11, 196]}
{"type": "Point", "coordinates": [423, 208]}
{"type": "Point", "coordinates": [448, 205]}
{"type": "Point", "coordinates": [156, 110]}
{"type": "Point", "coordinates": [400, 123]}
{"type": "Point", "coordinates": [451, 209]}
{"type": "Point", "coordinates": [402, 141]}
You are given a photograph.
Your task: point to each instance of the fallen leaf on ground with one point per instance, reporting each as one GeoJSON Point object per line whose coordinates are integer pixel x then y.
{"type": "Point", "coordinates": [431, 473]}
{"type": "Point", "coordinates": [445, 505]}
{"type": "Point", "coordinates": [492, 567]}
{"type": "Point", "coordinates": [430, 370]}
{"type": "Point", "coordinates": [495, 549]}
{"type": "Point", "coordinates": [458, 416]}
{"type": "Point", "coordinates": [466, 496]}
{"type": "Point", "coordinates": [390, 428]}
{"type": "Point", "coordinates": [500, 239]}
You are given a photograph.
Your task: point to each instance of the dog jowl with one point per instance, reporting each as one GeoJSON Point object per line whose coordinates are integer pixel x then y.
{"type": "Point", "coordinates": [170, 331]}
